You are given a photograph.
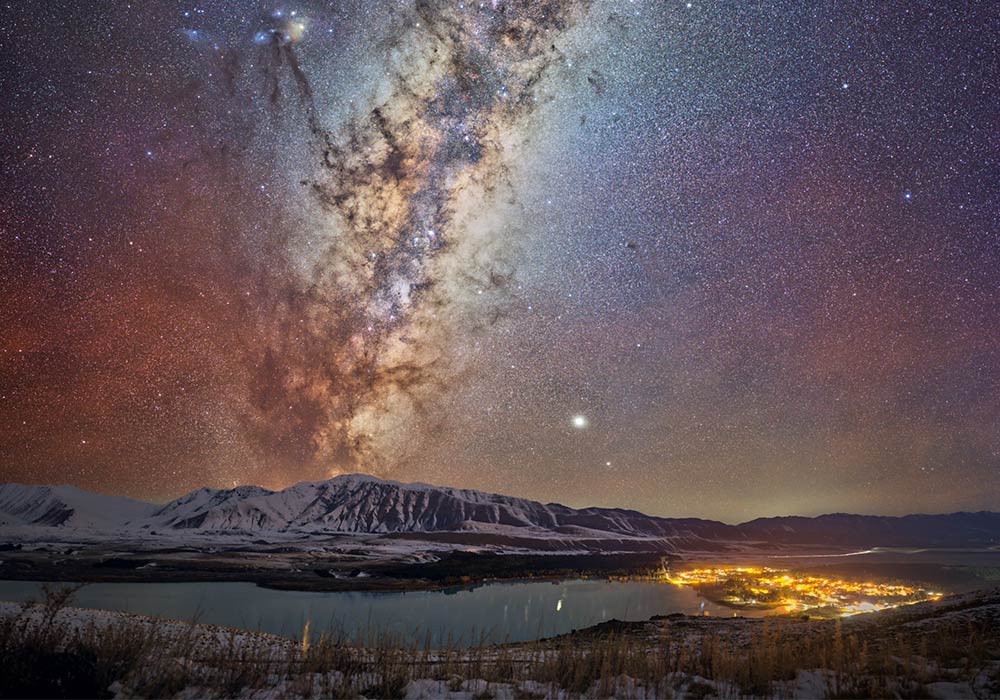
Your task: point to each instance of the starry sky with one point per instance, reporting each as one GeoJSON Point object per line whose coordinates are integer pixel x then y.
{"type": "Point", "coordinates": [694, 258]}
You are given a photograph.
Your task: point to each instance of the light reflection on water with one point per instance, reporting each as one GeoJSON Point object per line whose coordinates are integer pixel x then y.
{"type": "Point", "coordinates": [495, 612]}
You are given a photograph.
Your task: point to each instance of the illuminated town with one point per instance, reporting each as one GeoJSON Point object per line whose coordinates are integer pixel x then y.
{"type": "Point", "coordinates": [786, 592]}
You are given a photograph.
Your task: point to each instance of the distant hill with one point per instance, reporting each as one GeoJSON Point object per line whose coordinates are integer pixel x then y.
{"type": "Point", "coordinates": [67, 506]}
{"type": "Point", "coordinates": [357, 503]}
{"type": "Point", "coordinates": [953, 529]}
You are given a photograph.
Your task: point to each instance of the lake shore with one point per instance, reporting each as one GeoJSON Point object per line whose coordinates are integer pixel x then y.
{"type": "Point", "coordinates": [337, 564]}
{"type": "Point", "coordinates": [298, 571]}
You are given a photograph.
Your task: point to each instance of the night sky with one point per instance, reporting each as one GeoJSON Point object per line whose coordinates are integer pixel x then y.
{"type": "Point", "coordinates": [693, 258]}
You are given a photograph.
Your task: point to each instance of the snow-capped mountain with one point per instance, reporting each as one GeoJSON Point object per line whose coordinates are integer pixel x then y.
{"type": "Point", "coordinates": [360, 503]}
{"type": "Point", "coordinates": [192, 510]}
{"type": "Point", "coordinates": [357, 503]}
{"type": "Point", "coordinates": [67, 506]}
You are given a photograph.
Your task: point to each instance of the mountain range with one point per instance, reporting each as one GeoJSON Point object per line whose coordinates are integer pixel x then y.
{"type": "Point", "coordinates": [357, 503]}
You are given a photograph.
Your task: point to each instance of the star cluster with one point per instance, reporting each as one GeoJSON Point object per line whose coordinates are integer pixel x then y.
{"type": "Point", "coordinates": [692, 258]}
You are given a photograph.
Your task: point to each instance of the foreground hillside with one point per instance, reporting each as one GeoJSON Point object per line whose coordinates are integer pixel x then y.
{"type": "Point", "coordinates": [946, 649]}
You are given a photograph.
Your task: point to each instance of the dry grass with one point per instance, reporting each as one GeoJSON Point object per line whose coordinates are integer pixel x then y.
{"type": "Point", "coordinates": [45, 655]}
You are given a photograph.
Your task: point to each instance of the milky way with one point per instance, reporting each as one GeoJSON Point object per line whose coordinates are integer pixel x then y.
{"type": "Point", "coordinates": [690, 258]}
{"type": "Point", "coordinates": [406, 184]}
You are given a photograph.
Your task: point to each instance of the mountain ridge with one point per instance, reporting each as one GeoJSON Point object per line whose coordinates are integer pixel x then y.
{"type": "Point", "coordinates": [360, 503]}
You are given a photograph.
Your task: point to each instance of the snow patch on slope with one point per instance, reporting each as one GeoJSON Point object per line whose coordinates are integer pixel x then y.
{"type": "Point", "coordinates": [67, 506]}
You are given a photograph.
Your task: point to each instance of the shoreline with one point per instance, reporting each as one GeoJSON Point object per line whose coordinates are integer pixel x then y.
{"type": "Point", "coordinates": [297, 571]}
{"type": "Point", "coordinates": [941, 649]}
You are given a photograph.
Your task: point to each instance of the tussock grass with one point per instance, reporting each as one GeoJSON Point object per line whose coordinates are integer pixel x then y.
{"type": "Point", "coordinates": [47, 652]}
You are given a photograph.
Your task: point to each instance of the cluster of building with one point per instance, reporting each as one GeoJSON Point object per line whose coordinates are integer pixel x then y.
{"type": "Point", "coordinates": [786, 591]}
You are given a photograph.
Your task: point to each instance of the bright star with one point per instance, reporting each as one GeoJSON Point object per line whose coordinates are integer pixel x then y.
{"type": "Point", "coordinates": [580, 421]}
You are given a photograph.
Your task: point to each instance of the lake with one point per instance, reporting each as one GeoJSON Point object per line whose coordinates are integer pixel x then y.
{"type": "Point", "coordinates": [494, 612]}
